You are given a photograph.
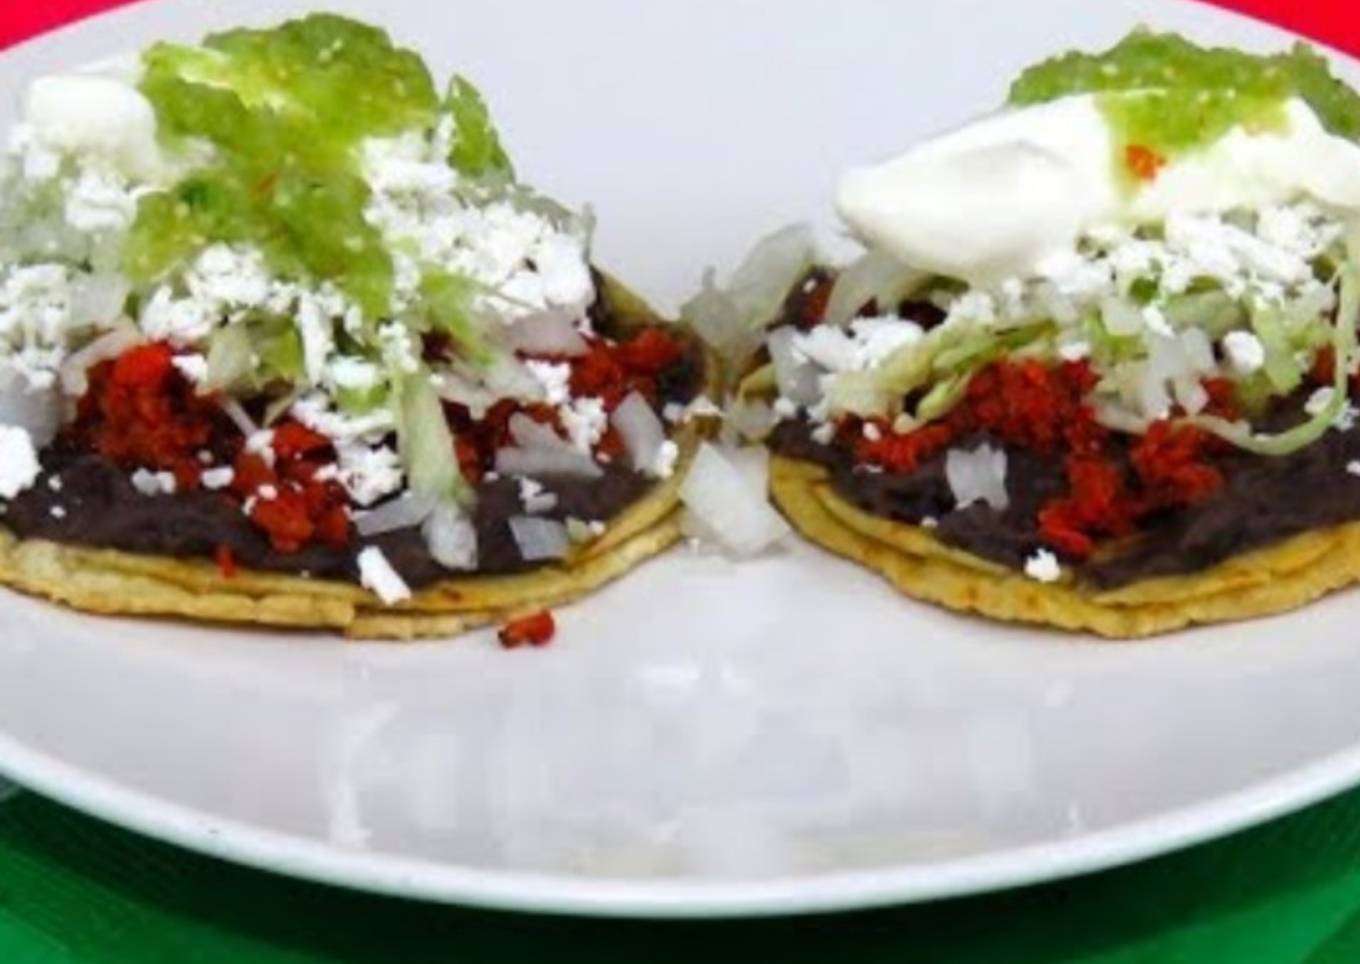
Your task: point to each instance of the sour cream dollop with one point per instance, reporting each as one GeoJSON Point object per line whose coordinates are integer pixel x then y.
{"type": "Point", "coordinates": [997, 197]}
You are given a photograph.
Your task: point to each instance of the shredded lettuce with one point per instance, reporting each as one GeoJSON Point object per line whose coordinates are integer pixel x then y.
{"type": "Point", "coordinates": [283, 111]}
{"type": "Point", "coordinates": [448, 301]}
{"type": "Point", "coordinates": [1281, 366]}
{"type": "Point", "coordinates": [477, 152]}
{"type": "Point", "coordinates": [230, 359]}
{"type": "Point", "coordinates": [425, 441]}
{"type": "Point", "coordinates": [1344, 346]}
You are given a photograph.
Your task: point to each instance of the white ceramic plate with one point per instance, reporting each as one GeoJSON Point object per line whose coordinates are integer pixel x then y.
{"type": "Point", "coordinates": [702, 739]}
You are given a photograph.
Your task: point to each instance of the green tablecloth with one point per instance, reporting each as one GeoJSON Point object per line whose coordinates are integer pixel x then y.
{"type": "Point", "coordinates": [74, 889]}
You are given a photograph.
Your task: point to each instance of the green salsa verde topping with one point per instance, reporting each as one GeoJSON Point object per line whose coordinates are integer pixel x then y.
{"type": "Point", "coordinates": [1166, 95]}
{"type": "Point", "coordinates": [285, 112]}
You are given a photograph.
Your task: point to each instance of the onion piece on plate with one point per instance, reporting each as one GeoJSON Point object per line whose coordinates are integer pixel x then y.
{"type": "Point", "coordinates": [728, 505]}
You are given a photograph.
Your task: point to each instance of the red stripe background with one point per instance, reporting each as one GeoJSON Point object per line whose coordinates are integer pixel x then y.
{"type": "Point", "coordinates": [1336, 22]}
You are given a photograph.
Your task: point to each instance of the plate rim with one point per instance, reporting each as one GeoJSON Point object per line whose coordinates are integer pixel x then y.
{"type": "Point", "coordinates": [243, 844]}
{"type": "Point", "coordinates": [294, 856]}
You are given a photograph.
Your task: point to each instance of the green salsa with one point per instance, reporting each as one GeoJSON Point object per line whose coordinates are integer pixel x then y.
{"type": "Point", "coordinates": [285, 111]}
{"type": "Point", "coordinates": [1166, 95]}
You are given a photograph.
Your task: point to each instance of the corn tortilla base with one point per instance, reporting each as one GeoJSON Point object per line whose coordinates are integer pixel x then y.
{"type": "Point", "coordinates": [116, 583]}
{"type": "Point", "coordinates": [1259, 583]}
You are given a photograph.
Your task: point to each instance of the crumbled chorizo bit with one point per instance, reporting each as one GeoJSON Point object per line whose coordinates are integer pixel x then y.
{"type": "Point", "coordinates": [535, 630]}
{"type": "Point", "coordinates": [1143, 162]}
{"type": "Point", "coordinates": [226, 561]}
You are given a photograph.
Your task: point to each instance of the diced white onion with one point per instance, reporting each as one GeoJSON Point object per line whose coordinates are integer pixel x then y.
{"type": "Point", "coordinates": [539, 451]}
{"type": "Point", "coordinates": [550, 333]}
{"type": "Point", "coordinates": [451, 538]}
{"type": "Point", "coordinates": [978, 476]}
{"type": "Point", "coordinates": [1121, 317]}
{"type": "Point", "coordinates": [454, 387]}
{"type": "Point", "coordinates": [750, 418]}
{"type": "Point", "coordinates": [540, 539]}
{"type": "Point", "coordinates": [100, 298]}
{"type": "Point", "coordinates": [106, 347]}
{"type": "Point", "coordinates": [877, 277]}
{"type": "Point", "coordinates": [234, 411]}
{"type": "Point", "coordinates": [1114, 415]}
{"type": "Point", "coordinates": [798, 378]}
{"type": "Point", "coordinates": [404, 512]}
{"type": "Point", "coordinates": [1199, 350]}
{"type": "Point", "coordinates": [643, 434]}
{"type": "Point", "coordinates": [731, 318]}
{"type": "Point", "coordinates": [36, 411]}
{"type": "Point", "coordinates": [730, 506]}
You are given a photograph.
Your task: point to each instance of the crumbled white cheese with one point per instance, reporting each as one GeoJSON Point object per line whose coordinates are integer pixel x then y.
{"type": "Point", "coordinates": [555, 378]}
{"type": "Point", "coordinates": [99, 200]}
{"type": "Point", "coordinates": [352, 373]}
{"type": "Point", "coordinates": [535, 498]}
{"type": "Point", "coordinates": [193, 367]}
{"type": "Point", "coordinates": [975, 307]}
{"type": "Point", "coordinates": [666, 457]}
{"type": "Point", "coordinates": [261, 443]}
{"type": "Point", "coordinates": [317, 333]}
{"type": "Point", "coordinates": [36, 319]}
{"type": "Point", "coordinates": [1353, 468]}
{"type": "Point", "coordinates": [153, 483]}
{"type": "Point", "coordinates": [1072, 351]}
{"type": "Point", "coordinates": [230, 279]}
{"type": "Point", "coordinates": [824, 433]}
{"type": "Point", "coordinates": [1244, 351]}
{"type": "Point", "coordinates": [865, 344]}
{"type": "Point", "coordinates": [377, 574]}
{"type": "Point", "coordinates": [179, 321]}
{"type": "Point", "coordinates": [218, 478]}
{"type": "Point", "coordinates": [316, 411]}
{"type": "Point", "coordinates": [585, 421]}
{"type": "Point", "coordinates": [368, 473]}
{"type": "Point", "coordinates": [1043, 567]}
{"type": "Point", "coordinates": [57, 512]}
{"type": "Point", "coordinates": [267, 493]}
{"type": "Point", "coordinates": [872, 432]}
{"type": "Point", "coordinates": [784, 408]}
{"type": "Point", "coordinates": [399, 347]}
{"type": "Point", "coordinates": [533, 264]}
{"type": "Point", "coordinates": [19, 466]}
{"type": "Point", "coordinates": [54, 483]}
